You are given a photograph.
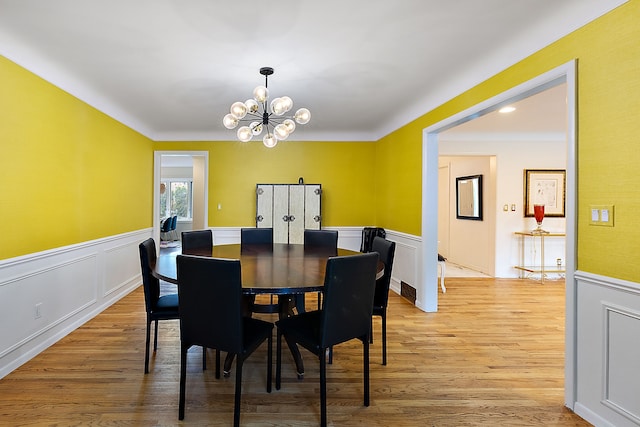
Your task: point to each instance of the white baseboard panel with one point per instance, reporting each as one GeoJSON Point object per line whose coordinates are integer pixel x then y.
{"type": "Point", "coordinates": [607, 345]}
{"type": "Point", "coordinates": [47, 295]}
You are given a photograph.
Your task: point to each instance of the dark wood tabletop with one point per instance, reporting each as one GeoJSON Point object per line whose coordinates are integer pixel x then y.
{"type": "Point", "coordinates": [279, 269]}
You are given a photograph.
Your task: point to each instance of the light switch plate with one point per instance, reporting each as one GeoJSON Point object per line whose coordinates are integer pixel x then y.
{"type": "Point", "coordinates": [601, 215]}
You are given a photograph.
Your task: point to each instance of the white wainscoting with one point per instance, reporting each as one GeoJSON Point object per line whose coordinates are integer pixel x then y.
{"type": "Point", "coordinates": [608, 345]}
{"type": "Point", "coordinates": [70, 285]}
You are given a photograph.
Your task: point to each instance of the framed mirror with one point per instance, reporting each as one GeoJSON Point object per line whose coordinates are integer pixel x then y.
{"type": "Point", "coordinates": [469, 197]}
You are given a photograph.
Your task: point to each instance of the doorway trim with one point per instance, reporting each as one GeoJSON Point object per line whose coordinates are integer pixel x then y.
{"type": "Point", "coordinates": [429, 284]}
{"type": "Point", "coordinates": [157, 165]}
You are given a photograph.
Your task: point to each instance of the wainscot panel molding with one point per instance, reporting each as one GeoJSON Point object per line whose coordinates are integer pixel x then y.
{"type": "Point", "coordinates": [608, 321]}
{"type": "Point", "coordinates": [46, 295]}
{"type": "Point", "coordinates": [406, 263]}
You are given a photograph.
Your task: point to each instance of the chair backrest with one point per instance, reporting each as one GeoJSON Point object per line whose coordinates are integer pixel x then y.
{"type": "Point", "coordinates": [150, 284]}
{"type": "Point", "coordinates": [174, 222]}
{"type": "Point", "coordinates": [256, 236]}
{"type": "Point", "coordinates": [386, 249]}
{"type": "Point", "coordinates": [197, 242]}
{"type": "Point", "coordinates": [348, 298]}
{"type": "Point", "coordinates": [209, 298]}
{"type": "Point", "coordinates": [166, 225]}
{"type": "Point", "coordinates": [368, 234]}
{"type": "Point", "coordinates": [321, 238]}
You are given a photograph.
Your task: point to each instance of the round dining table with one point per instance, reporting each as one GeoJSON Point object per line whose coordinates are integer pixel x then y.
{"type": "Point", "coordinates": [277, 269]}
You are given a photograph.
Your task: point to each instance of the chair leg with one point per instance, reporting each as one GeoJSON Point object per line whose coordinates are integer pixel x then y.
{"type": "Point", "coordinates": [384, 337]}
{"type": "Point", "coordinates": [323, 388]}
{"type": "Point", "coordinates": [269, 362]}
{"type": "Point", "coordinates": [236, 404]}
{"type": "Point", "coordinates": [278, 359]}
{"type": "Point", "coordinates": [204, 358]}
{"type": "Point", "coordinates": [228, 361]}
{"type": "Point", "coordinates": [183, 379]}
{"type": "Point", "coordinates": [217, 364]}
{"type": "Point", "coordinates": [442, 273]}
{"type": "Point", "coordinates": [371, 331]}
{"type": "Point", "coordinates": [155, 338]}
{"type": "Point", "coordinates": [366, 370]}
{"type": "Point", "coordinates": [146, 351]}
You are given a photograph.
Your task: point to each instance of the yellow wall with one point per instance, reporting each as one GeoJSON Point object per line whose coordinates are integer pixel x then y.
{"type": "Point", "coordinates": [69, 173]}
{"type": "Point", "coordinates": [343, 168]}
{"type": "Point", "coordinates": [608, 53]}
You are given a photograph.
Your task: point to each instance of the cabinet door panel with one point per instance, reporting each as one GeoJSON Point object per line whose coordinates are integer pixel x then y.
{"type": "Point", "coordinates": [280, 213]}
{"type": "Point", "coordinates": [312, 217]}
{"type": "Point", "coordinates": [296, 212]}
{"type": "Point", "coordinates": [264, 206]}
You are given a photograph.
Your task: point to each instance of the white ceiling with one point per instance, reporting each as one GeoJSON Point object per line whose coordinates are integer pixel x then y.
{"type": "Point", "coordinates": [170, 69]}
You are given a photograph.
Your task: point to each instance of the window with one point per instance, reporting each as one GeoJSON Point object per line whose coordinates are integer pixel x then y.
{"type": "Point", "coordinates": [176, 198]}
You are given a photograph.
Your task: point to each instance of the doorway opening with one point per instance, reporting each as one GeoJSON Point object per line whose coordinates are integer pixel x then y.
{"type": "Point", "coordinates": [428, 290]}
{"type": "Point", "coordinates": [180, 191]}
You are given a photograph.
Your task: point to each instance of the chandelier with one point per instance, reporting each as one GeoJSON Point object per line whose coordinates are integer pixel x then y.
{"type": "Point", "coordinates": [255, 116]}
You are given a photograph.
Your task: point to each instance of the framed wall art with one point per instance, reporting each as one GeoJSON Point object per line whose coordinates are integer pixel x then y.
{"type": "Point", "coordinates": [546, 187]}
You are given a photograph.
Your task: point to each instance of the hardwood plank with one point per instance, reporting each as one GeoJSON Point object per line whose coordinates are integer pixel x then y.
{"type": "Point", "coordinates": [492, 355]}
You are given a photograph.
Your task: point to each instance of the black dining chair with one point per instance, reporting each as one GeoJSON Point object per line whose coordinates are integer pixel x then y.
{"type": "Point", "coordinates": [321, 238]}
{"type": "Point", "coordinates": [327, 239]}
{"type": "Point", "coordinates": [174, 226]}
{"type": "Point", "coordinates": [256, 236]}
{"type": "Point", "coordinates": [210, 295]}
{"type": "Point", "coordinates": [346, 314]}
{"type": "Point", "coordinates": [195, 241]}
{"type": "Point", "coordinates": [158, 307]}
{"type": "Point", "coordinates": [386, 250]}
{"type": "Point", "coordinates": [165, 228]}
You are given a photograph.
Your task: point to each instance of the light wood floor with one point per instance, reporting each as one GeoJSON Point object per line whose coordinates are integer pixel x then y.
{"type": "Point", "coordinates": [492, 356]}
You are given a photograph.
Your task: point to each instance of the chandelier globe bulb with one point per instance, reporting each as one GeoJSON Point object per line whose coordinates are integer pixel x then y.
{"type": "Point", "coordinates": [269, 140]}
{"type": "Point", "coordinates": [238, 110]}
{"type": "Point", "coordinates": [244, 134]}
{"type": "Point", "coordinates": [260, 94]}
{"type": "Point", "coordinates": [302, 116]}
{"type": "Point", "coordinates": [229, 121]}
{"type": "Point", "coordinates": [281, 131]}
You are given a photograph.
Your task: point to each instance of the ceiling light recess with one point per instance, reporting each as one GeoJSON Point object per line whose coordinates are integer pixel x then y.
{"type": "Point", "coordinates": [258, 114]}
{"type": "Point", "coordinates": [507, 109]}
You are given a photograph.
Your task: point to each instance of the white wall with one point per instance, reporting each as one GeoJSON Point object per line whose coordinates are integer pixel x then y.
{"type": "Point", "coordinates": [471, 243]}
{"type": "Point", "coordinates": [512, 157]}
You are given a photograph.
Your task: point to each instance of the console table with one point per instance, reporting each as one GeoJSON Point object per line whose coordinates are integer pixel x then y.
{"type": "Point", "coordinates": [536, 268]}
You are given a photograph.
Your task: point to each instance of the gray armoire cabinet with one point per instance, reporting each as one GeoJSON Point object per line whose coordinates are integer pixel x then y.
{"type": "Point", "coordinates": [289, 209]}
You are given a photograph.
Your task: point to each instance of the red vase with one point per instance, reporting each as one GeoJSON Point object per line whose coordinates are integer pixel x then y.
{"type": "Point", "coordinates": [538, 213]}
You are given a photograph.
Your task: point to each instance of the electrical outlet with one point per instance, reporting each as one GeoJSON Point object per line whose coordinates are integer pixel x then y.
{"type": "Point", "coordinates": [38, 310]}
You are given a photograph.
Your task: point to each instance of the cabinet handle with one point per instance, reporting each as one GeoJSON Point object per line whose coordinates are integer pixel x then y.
{"type": "Point", "coordinates": [316, 218]}
{"type": "Point", "coordinates": [292, 218]}
{"type": "Point", "coordinates": [285, 218]}
{"type": "Point", "coordinates": [259, 218]}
